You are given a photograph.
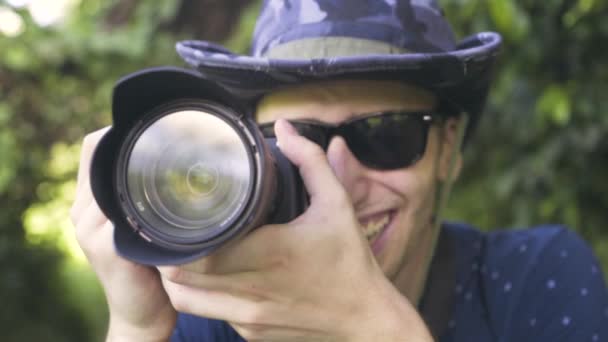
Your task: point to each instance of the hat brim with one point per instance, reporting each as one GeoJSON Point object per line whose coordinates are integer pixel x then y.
{"type": "Point", "coordinates": [461, 76]}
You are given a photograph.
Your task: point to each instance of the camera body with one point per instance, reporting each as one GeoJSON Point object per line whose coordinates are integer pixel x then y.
{"type": "Point", "coordinates": [184, 169]}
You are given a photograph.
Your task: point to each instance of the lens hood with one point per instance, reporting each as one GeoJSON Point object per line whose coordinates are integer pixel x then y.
{"type": "Point", "coordinates": [136, 95]}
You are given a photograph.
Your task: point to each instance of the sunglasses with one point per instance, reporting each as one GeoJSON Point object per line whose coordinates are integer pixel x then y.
{"type": "Point", "coordinates": [383, 141]}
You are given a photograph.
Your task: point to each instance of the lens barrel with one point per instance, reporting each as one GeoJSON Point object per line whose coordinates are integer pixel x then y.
{"type": "Point", "coordinates": [186, 173]}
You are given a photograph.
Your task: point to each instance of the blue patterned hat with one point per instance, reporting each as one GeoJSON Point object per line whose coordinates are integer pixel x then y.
{"type": "Point", "coordinates": [297, 41]}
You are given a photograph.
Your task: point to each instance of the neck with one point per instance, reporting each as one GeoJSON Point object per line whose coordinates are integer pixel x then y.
{"type": "Point", "coordinates": [412, 275]}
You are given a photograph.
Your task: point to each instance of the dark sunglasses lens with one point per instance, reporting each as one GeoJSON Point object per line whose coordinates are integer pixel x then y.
{"type": "Point", "coordinates": [312, 132]}
{"type": "Point", "coordinates": [388, 141]}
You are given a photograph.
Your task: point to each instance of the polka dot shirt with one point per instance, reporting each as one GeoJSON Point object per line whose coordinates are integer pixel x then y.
{"type": "Point", "coordinates": [538, 284]}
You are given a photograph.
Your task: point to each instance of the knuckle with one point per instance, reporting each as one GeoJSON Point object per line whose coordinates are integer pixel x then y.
{"type": "Point", "coordinates": [340, 196]}
{"type": "Point", "coordinates": [180, 303]}
{"type": "Point", "coordinates": [314, 151]}
{"type": "Point", "coordinates": [282, 259]}
{"type": "Point", "coordinates": [94, 137]}
{"type": "Point", "coordinates": [84, 244]}
{"type": "Point", "coordinates": [74, 215]}
{"type": "Point", "coordinates": [343, 201]}
{"type": "Point", "coordinates": [80, 236]}
{"type": "Point", "coordinates": [204, 265]}
{"type": "Point", "coordinates": [253, 332]}
{"type": "Point", "coordinates": [89, 141]}
{"type": "Point", "coordinates": [337, 201]}
{"type": "Point", "coordinates": [173, 273]}
{"type": "Point", "coordinates": [277, 255]}
{"type": "Point", "coordinates": [253, 314]}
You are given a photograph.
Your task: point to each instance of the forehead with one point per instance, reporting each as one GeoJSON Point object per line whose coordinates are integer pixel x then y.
{"type": "Point", "coordinates": [336, 101]}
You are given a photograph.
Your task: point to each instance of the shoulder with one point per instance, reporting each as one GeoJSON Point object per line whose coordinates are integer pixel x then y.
{"type": "Point", "coordinates": [544, 282]}
{"type": "Point", "coordinates": [535, 240]}
{"type": "Point", "coordinates": [507, 261]}
{"type": "Point", "coordinates": [546, 252]}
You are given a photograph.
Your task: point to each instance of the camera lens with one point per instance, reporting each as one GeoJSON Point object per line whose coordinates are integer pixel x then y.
{"type": "Point", "coordinates": [188, 176]}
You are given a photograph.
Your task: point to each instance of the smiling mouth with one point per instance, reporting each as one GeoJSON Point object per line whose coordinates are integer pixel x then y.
{"type": "Point", "coordinates": [374, 226]}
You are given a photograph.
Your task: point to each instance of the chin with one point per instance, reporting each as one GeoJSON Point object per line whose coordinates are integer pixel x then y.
{"type": "Point", "coordinates": [390, 247]}
{"type": "Point", "coordinates": [402, 244]}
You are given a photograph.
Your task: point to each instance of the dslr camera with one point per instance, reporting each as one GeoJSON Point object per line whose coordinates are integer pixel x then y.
{"type": "Point", "coordinates": [185, 169]}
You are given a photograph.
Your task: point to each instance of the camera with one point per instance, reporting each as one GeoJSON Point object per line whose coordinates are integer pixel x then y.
{"type": "Point", "coordinates": [184, 169]}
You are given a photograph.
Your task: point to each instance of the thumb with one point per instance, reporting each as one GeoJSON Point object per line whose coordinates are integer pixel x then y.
{"type": "Point", "coordinates": [310, 160]}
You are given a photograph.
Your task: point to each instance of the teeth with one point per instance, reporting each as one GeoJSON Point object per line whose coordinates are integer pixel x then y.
{"type": "Point", "coordinates": [372, 228]}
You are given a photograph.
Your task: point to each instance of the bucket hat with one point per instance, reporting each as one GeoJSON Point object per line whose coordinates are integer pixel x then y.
{"type": "Point", "coordinates": [299, 41]}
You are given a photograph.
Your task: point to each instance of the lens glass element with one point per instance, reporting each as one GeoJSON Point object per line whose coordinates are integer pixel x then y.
{"type": "Point", "coordinates": [189, 175]}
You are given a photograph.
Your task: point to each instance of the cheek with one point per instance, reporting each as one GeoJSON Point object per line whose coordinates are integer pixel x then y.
{"type": "Point", "coordinates": [416, 186]}
{"type": "Point", "coordinates": [420, 182]}
{"type": "Point", "coordinates": [412, 220]}
{"type": "Point", "coordinates": [416, 214]}
{"type": "Point", "coordinates": [415, 190]}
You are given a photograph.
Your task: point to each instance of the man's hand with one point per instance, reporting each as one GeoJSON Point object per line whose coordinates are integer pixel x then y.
{"type": "Point", "coordinates": [139, 307]}
{"type": "Point", "coordinates": [312, 279]}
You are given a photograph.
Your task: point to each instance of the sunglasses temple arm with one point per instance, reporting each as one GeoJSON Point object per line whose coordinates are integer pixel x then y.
{"type": "Point", "coordinates": [443, 193]}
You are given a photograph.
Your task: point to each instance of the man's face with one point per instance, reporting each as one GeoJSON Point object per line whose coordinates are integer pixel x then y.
{"type": "Point", "coordinates": [394, 207]}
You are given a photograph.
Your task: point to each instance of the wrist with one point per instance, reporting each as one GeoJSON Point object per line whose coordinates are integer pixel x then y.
{"type": "Point", "coordinates": [391, 317]}
{"type": "Point", "coordinates": [119, 331]}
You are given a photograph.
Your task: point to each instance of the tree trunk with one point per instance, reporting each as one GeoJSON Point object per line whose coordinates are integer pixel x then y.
{"type": "Point", "coordinates": [209, 19]}
{"type": "Point", "coordinates": [212, 20]}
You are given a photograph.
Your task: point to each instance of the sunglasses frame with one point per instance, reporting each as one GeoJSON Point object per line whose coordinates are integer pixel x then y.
{"type": "Point", "coordinates": [329, 130]}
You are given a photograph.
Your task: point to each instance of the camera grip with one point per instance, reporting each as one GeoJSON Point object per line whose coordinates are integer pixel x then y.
{"type": "Point", "coordinates": [291, 198]}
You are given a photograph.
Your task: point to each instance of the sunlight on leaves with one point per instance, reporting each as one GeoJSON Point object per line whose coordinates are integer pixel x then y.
{"type": "Point", "coordinates": [49, 221]}
{"type": "Point", "coordinates": [11, 24]}
{"type": "Point", "coordinates": [582, 8]}
{"type": "Point", "coordinates": [511, 21]}
{"type": "Point", "coordinates": [555, 105]}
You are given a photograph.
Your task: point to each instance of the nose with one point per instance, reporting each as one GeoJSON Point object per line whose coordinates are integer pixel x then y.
{"type": "Point", "coordinates": [347, 168]}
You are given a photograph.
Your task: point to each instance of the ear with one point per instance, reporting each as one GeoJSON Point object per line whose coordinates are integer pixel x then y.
{"type": "Point", "coordinates": [448, 140]}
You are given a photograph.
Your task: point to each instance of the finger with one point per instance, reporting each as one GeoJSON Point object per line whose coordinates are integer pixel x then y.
{"type": "Point", "coordinates": [228, 307]}
{"type": "Point", "coordinates": [255, 318]}
{"type": "Point", "coordinates": [310, 160]}
{"type": "Point", "coordinates": [210, 303]}
{"type": "Point", "coordinates": [88, 224]}
{"type": "Point", "coordinates": [89, 144]}
{"type": "Point", "coordinates": [260, 332]}
{"type": "Point", "coordinates": [246, 285]}
{"type": "Point", "coordinates": [81, 204]}
{"type": "Point", "coordinates": [84, 195]}
{"type": "Point", "coordinates": [265, 248]}
{"type": "Point", "coordinates": [90, 219]}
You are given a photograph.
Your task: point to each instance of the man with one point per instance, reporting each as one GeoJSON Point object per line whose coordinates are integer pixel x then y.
{"type": "Point", "coordinates": [367, 260]}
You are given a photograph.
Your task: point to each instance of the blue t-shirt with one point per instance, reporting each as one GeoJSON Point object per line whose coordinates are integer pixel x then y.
{"type": "Point", "coordinates": [538, 284]}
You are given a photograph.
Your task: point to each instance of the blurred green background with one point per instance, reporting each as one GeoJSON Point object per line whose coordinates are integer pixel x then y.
{"type": "Point", "coordinates": [540, 155]}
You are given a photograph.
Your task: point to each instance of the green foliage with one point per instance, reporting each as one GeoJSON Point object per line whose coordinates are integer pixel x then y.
{"type": "Point", "coordinates": [540, 154]}
{"type": "Point", "coordinates": [55, 86]}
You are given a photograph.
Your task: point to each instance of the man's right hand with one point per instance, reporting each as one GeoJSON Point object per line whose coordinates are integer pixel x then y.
{"type": "Point", "coordinates": [139, 307]}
